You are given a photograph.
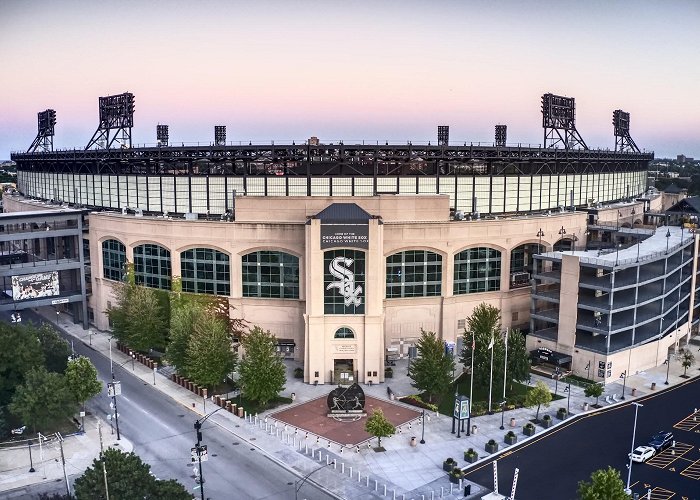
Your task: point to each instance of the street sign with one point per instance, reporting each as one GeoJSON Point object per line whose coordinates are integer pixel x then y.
{"type": "Point", "coordinates": [461, 408]}
{"type": "Point", "coordinates": [114, 389]}
{"type": "Point", "coordinates": [203, 456]}
{"type": "Point", "coordinates": [59, 301]}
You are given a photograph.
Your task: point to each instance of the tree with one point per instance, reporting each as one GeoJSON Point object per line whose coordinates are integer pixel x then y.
{"type": "Point", "coordinates": [432, 370]}
{"type": "Point", "coordinates": [81, 378]}
{"type": "Point", "coordinates": [378, 426]}
{"type": "Point", "coordinates": [262, 373]}
{"type": "Point", "coordinates": [43, 399]}
{"type": "Point", "coordinates": [485, 326]}
{"type": "Point", "coordinates": [518, 357]}
{"type": "Point", "coordinates": [605, 484]}
{"type": "Point", "coordinates": [128, 477]}
{"type": "Point", "coordinates": [183, 319]}
{"type": "Point", "coordinates": [538, 396]}
{"type": "Point", "coordinates": [594, 391]}
{"type": "Point", "coordinates": [55, 348]}
{"type": "Point", "coordinates": [687, 360]}
{"type": "Point", "coordinates": [19, 352]}
{"type": "Point", "coordinates": [210, 357]}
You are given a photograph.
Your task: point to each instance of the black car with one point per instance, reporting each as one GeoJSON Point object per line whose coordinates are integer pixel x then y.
{"type": "Point", "coordinates": [661, 440]}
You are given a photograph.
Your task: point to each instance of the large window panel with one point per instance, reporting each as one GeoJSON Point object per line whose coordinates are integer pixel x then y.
{"type": "Point", "coordinates": [205, 270]}
{"type": "Point", "coordinates": [113, 259]}
{"type": "Point", "coordinates": [152, 266]}
{"type": "Point", "coordinates": [271, 274]}
{"type": "Point", "coordinates": [477, 270]}
{"type": "Point", "coordinates": [413, 273]}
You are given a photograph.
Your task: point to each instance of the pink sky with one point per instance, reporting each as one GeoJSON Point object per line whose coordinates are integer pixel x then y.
{"type": "Point", "coordinates": [352, 70]}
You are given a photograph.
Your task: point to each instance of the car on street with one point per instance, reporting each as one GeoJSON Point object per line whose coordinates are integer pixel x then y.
{"type": "Point", "coordinates": [642, 453]}
{"type": "Point", "coordinates": [661, 440]}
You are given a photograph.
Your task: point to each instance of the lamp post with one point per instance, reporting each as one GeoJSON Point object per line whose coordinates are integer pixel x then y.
{"type": "Point", "coordinates": [617, 252]}
{"type": "Point", "coordinates": [588, 370]}
{"type": "Point", "coordinates": [503, 410]}
{"type": "Point", "coordinates": [567, 389]}
{"type": "Point", "coordinates": [539, 234]}
{"type": "Point", "coordinates": [668, 366]}
{"type": "Point", "coordinates": [422, 435]}
{"type": "Point", "coordinates": [619, 214]}
{"type": "Point", "coordinates": [198, 429]}
{"type": "Point", "coordinates": [634, 432]}
{"type": "Point", "coordinates": [133, 358]}
{"type": "Point", "coordinates": [562, 232]}
{"type": "Point", "coordinates": [623, 376]}
{"type": "Point", "coordinates": [668, 236]}
{"type": "Point", "coordinates": [31, 462]}
{"type": "Point", "coordinates": [471, 375]}
{"type": "Point", "coordinates": [303, 480]}
{"type": "Point", "coordinates": [557, 374]}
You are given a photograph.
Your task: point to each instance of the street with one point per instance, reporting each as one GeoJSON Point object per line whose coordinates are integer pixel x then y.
{"type": "Point", "coordinates": [162, 434]}
{"type": "Point", "coordinates": [552, 465]}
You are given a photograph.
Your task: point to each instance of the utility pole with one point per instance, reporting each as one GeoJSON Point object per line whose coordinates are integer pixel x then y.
{"type": "Point", "coordinates": [63, 462]}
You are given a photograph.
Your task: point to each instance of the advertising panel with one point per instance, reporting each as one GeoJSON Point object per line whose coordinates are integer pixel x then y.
{"type": "Point", "coordinates": [34, 286]}
{"type": "Point", "coordinates": [344, 235]}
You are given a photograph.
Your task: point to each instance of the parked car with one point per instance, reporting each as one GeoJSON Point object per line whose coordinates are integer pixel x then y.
{"type": "Point", "coordinates": [661, 440]}
{"type": "Point", "coordinates": [642, 453]}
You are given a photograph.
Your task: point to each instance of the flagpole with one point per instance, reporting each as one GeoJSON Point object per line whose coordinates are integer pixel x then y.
{"type": "Point", "coordinates": [505, 366]}
{"type": "Point", "coordinates": [491, 376]}
{"type": "Point", "coordinates": [471, 376]}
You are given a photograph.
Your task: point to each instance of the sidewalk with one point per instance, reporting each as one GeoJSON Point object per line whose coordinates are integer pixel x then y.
{"type": "Point", "coordinates": [405, 470]}
{"type": "Point", "coordinates": [79, 451]}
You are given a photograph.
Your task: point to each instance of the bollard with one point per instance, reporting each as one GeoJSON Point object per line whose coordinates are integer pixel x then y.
{"type": "Point", "coordinates": [350, 471]}
{"type": "Point", "coordinates": [442, 491]}
{"type": "Point", "coordinates": [367, 482]}
{"type": "Point", "coordinates": [306, 449]}
{"type": "Point", "coordinates": [342, 468]}
{"type": "Point", "coordinates": [385, 490]}
{"type": "Point", "coordinates": [432, 495]}
{"type": "Point", "coordinates": [335, 465]}
{"type": "Point", "coordinates": [328, 459]}
{"type": "Point", "coordinates": [451, 485]}
{"type": "Point", "coordinates": [394, 494]}
{"type": "Point", "coordinates": [358, 476]}
{"type": "Point", "coordinates": [375, 485]}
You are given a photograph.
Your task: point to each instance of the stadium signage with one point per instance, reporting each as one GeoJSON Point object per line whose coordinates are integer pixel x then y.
{"type": "Point", "coordinates": [340, 268]}
{"type": "Point", "coordinates": [34, 286]}
{"type": "Point", "coordinates": [345, 235]}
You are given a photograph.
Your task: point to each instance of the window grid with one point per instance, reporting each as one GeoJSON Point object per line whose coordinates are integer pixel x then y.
{"type": "Point", "coordinates": [271, 274]}
{"type": "Point", "coordinates": [477, 270]}
{"type": "Point", "coordinates": [205, 270]}
{"type": "Point", "coordinates": [152, 267]}
{"type": "Point", "coordinates": [344, 333]}
{"type": "Point", "coordinates": [413, 273]}
{"type": "Point", "coordinates": [114, 258]}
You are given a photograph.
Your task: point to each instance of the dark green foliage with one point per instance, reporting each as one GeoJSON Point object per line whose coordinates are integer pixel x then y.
{"type": "Point", "coordinates": [81, 378]}
{"type": "Point", "coordinates": [261, 369]}
{"type": "Point", "coordinates": [432, 370]}
{"type": "Point", "coordinates": [19, 352]}
{"type": "Point", "coordinates": [594, 391]}
{"type": "Point", "coordinates": [128, 478]}
{"type": "Point", "coordinates": [538, 396]}
{"type": "Point", "coordinates": [43, 400]}
{"type": "Point", "coordinates": [55, 348]}
{"type": "Point", "coordinates": [210, 357]}
{"type": "Point", "coordinates": [605, 484]}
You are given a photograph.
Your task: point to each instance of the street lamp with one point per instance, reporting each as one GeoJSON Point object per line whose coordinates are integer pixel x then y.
{"type": "Point", "coordinates": [198, 430]}
{"type": "Point", "coordinates": [303, 480]}
{"type": "Point", "coordinates": [422, 435]}
{"type": "Point", "coordinates": [557, 374]}
{"type": "Point", "coordinates": [588, 370]}
{"type": "Point", "coordinates": [562, 232]}
{"type": "Point", "coordinates": [668, 365]}
{"type": "Point", "coordinates": [617, 252]}
{"type": "Point", "coordinates": [503, 409]}
{"type": "Point", "coordinates": [623, 376]}
{"type": "Point", "coordinates": [668, 236]}
{"type": "Point", "coordinates": [628, 490]}
{"type": "Point", "coordinates": [567, 389]}
{"type": "Point", "coordinates": [133, 358]}
{"type": "Point", "coordinates": [539, 234]}
{"type": "Point", "coordinates": [31, 463]}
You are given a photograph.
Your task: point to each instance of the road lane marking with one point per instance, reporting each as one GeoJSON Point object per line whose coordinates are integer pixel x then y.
{"type": "Point", "coordinates": [689, 423]}
{"type": "Point", "coordinates": [667, 457]}
{"type": "Point", "coordinates": [692, 471]}
{"type": "Point", "coordinates": [661, 494]}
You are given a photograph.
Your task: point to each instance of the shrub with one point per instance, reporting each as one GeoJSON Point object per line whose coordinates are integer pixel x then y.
{"type": "Point", "coordinates": [449, 460]}
{"type": "Point", "coordinates": [562, 410]}
{"type": "Point", "coordinates": [530, 425]}
{"type": "Point", "coordinates": [471, 451]}
{"type": "Point", "coordinates": [491, 442]}
{"type": "Point", "coordinates": [510, 434]}
{"type": "Point", "coordinates": [298, 373]}
{"type": "Point", "coordinates": [415, 400]}
{"type": "Point", "coordinates": [547, 417]}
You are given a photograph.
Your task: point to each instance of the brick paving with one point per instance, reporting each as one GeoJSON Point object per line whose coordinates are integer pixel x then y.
{"type": "Point", "coordinates": [312, 417]}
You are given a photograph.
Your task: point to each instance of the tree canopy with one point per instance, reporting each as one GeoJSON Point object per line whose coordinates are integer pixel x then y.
{"type": "Point", "coordinates": [209, 356]}
{"type": "Point", "coordinates": [432, 370]}
{"type": "Point", "coordinates": [19, 352]}
{"type": "Point", "coordinates": [538, 396]}
{"type": "Point", "coordinates": [378, 426]}
{"type": "Point", "coordinates": [55, 348]}
{"type": "Point", "coordinates": [128, 477]}
{"type": "Point", "coordinates": [262, 372]}
{"type": "Point", "coordinates": [605, 484]}
{"type": "Point", "coordinates": [81, 377]}
{"type": "Point", "coordinates": [43, 399]}
{"type": "Point", "coordinates": [594, 391]}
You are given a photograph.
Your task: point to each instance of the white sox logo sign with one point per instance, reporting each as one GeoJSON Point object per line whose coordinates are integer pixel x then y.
{"type": "Point", "coordinates": [346, 281]}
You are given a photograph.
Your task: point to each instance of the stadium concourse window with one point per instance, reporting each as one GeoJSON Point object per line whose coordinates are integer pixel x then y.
{"type": "Point", "coordinates": [344, 333]}
{"type": "Point", "coordinates": [522, 264]}
{"type": "Point", "coordinates": [477, 270]}
{"type": "Point", "coordinates": [413, 273]}
{"type": "Point", "coordinates": [205, 270]}
{"type": "Point", "coordinates": [271, 274]}
{"type": "Point", "coordinates": [113, 259]}
{"type": "Point", "coordinates": [152, 266]}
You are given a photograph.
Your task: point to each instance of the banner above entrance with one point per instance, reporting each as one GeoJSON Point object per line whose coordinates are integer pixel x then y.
{"type": "Point", "coordinates": [344, 235]}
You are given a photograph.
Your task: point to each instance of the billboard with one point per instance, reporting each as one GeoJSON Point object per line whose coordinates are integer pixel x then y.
{"type": "Point", "coordinates": [34, 286]}
{"type": "Point", "coordinates": [344, 235]}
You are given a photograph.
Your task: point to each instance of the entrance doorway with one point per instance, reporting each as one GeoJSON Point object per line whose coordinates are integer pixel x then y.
{"type": "Point", "coordinates": [343, 372]}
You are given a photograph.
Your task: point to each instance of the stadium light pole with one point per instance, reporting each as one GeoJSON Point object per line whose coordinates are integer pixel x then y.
{"type": "Point", "coordinates": [628, 490]}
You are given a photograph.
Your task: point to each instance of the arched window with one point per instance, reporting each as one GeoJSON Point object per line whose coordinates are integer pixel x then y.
{"type": "Point", "coordinates": [152, 266]}
{"type": "Point", "coordinates": [522, 264]}
{"type": "Point", "coordinates": [205, 270]}
{"type": "Point", "coordinates": [477, 270]}
{"type": "Point", "coordinates": [344, 333]}
{"type": "Point", "coordinates": [413, 273]}
{"type": "Point", "coordinates": [113, 259]}
{"type": "Point", "coordinates": [271, 274]}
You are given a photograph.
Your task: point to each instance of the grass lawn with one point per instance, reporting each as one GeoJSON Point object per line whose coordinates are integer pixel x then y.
{"type": "Point", "coordinates": [515, 396]}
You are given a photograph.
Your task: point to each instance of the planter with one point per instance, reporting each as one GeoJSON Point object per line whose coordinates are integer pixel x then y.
{"type": "Point", "coordinates": [471, 457]}
{"type": "Point", "coordinates": [512, 422]}
{"type": "Point", "coordinates": [455, 478]}
{"type": "Point", "coordinates": [546, 423]}
{"type": "Point", "coordinates": [491, 447]}
{"type": "Point", "coordinates": [562, 414]}
{"type": "Point", "coordinates": [529, 430]}
{"type": "Point", "coordinates": [510, 439]}
{"type": "Point", "coordinates": [413, 442]}
{"type": "Point", "coordinates": [389, 373]}
{"type": "Point", "coordinates": [448, 465]}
